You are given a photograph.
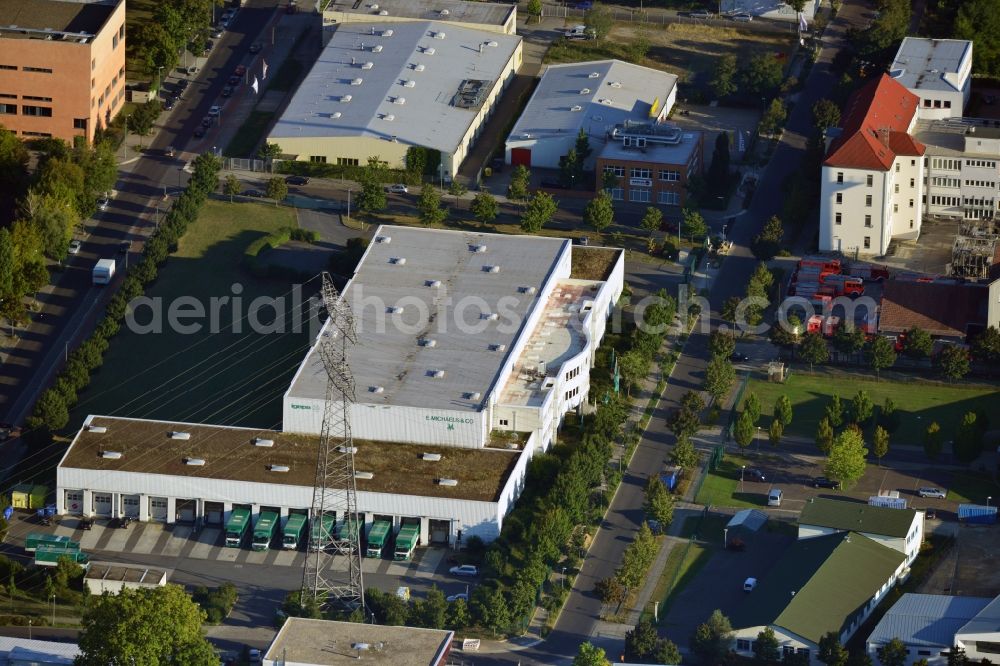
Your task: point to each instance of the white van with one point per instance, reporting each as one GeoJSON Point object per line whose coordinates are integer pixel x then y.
{"type": "Point", "coordinates": [774, 497]}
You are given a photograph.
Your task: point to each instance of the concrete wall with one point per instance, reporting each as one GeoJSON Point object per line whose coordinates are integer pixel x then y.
{"type": "Point", "coordinates": [332, 18]}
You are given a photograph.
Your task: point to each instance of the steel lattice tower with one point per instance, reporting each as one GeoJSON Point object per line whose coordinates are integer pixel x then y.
{"type": "Point", "coordinates": [332, 572]}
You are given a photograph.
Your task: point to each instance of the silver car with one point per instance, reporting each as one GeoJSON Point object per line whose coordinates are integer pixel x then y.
{"type": "Point", "coordinates": [932, 493]}
{"type": "Point", "coordinates": [742, 17]}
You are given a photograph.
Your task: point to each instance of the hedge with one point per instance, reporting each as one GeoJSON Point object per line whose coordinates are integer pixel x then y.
{"type": "Point", "coordinates": [251, 256]}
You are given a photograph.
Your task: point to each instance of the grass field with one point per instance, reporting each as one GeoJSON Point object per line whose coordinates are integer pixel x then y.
{"type": "Point", "coordinates": [918, 405]}
{"type": "Point", "coordinates": [689, 51]}
{"type": "Point", "coordinates": [235, 376]}
{"type": "Point", "coordinates": [249, 134]}
{"type": "Point", "coordinates": [682, 565]}
{"type": "Point", "coordinates": [972, 488]}
{"type": "Point", "coordinates": [721, 486]}
{"type": "Point", "coordinates": [137, 13]}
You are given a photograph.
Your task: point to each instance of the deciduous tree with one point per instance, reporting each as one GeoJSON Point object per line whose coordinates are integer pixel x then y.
{"type": "Point", "coordinates": [537, 213]}
{"type": "Point", "coordinates": [986, 345]}
{"type": "Point", "coordinates": [862, 407]}
{"type": "Point", "coordinates": [744, 430]}
{"type": "Point", "coordinates": [831, 652]}
{"type": "Point", "coordinates": [775, 431]}
{"type": "Point", "coordinates": [813, 349]}
{"type": "Point", "coordinates": [751, 405]}
{"type": "Point", "coordinates": [519, 179]}
{"type": "Point", "coordinates": [880, 443]}
{"type": "Point", "coordinates": [723, 81]}
{"type": "Point", "coordinates": [429, 205]}
{"type": "Point", "coordinates": [968, 442]}
{"type": "Point", "coordinates": [774, 117]}
{"type": "Point", "coordinates": [826, 114]}
{"type": "Point", "coordinates": [231, 186]}
{"type": "Point", "coordinates": [600, 212]}
{"type": "Point", "coordinates": [588, 655]}
{"type": "Point", "coordinates": [277, 189]}
{"type": "Point", "coordinates": [846, 461]}
{"type": "Point", "coordinates": [767, 243]}
{"type": "Point", "coordinates": [766, 648]}
{"type": "Point", "coordinates": [722, 344]}
{"type": "Point", "coordinates": [918, 343]}
{"type": "Point", "coordinates": [599, 21]}
{"type": "Point", "coordinates": [712, 638]}
{"type": "Point", "coordinates": [693, 224]}
{"type": "Point", "coordinates": [763, 74]}
{"type": "Point", "coordinates": [485, 208]}
{"type": "Point", "coordinates": [659, 503]}
{"type": "Point", "coordinates": [881, 354]}
{"type": "Point", "coordinates": [824, 435]}
{"type": "Point", "coordinates": [783, 410]}
{"type": "Point", "coordinates": [893, 653]}
{"type": "Point", "coordinates": [953, 361]}
{"type": "Point", "coordinates": [719, 377]}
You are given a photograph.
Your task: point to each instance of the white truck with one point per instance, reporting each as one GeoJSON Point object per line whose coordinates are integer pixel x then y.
{"type": "Point", "coordinates": [104, 270]}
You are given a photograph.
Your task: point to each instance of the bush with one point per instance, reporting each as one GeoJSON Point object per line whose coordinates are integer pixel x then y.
{"type": "Point", "coordinates": [217, 603]}
{"type": "Point", "coordinates": [305, 235]}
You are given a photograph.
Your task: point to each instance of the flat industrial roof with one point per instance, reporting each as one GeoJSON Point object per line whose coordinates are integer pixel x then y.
{"type": "Point", "coordinates": [384, 80]}
{"type": "Point", "coordinates": [146, 447]}
{"type": "Point", "coordinates": [327, 643]}
{"type": "Point", "coordinates": [654, 153]}
{"type": "Point", "coordinates": [927, 619]}
{"type": "Point", "coordinates": [392, 350]}
{"type": "Point", "coordinates": [931, 64]}
{"type": "Point", "coordinates": [115, 572]}
{"type": "Point", "coordinates": [459, 11]}
{"type": "Point", "coordinates": [593, 95]}
{"type": "Point", "coordinates": [957, 136]}
{"type": "Point", "coordinates": [79, 17]}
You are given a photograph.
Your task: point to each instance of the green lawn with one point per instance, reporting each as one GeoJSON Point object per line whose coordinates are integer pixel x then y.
{"type": "Point", "coordinates": [708, 528]}
{"type": "Point", "coordinates": [918, 403]}
{"type": "Point", "coordinates": [230, 376]}
{"type": "Point", "coordinates": [683, 563]}
{"type": "Point", "coordinates": [722, 486]}
{"type": "Point", "coordinates": [244, 142]}
{"type": "Point", "coordinates": [972, 488]}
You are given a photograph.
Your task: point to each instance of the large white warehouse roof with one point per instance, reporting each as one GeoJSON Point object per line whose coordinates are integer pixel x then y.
{"type": "Point", "coordinates": [463, 300]}
{"type": "Point", "coordinates": [592, 95]}
{"type": "Point", "coordinates": [419, 82]}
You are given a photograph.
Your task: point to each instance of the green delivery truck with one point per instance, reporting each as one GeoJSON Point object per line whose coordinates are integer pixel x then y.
{"type": "Point", "coordinates": [347, 528]}
{"type": "Point", "coordinates": [292, 534]}
{"type": "Point", "coordinates": [377, 536]}
{"type": "Point", "coordinates": [236, 528]}
{"type": "Point", "coordinates": [263, 531]}
{"type": "Point", "coordinates": [406, 542]}
{"type": "Point", "coordinates": [47, 555]}
{"type": "Point", "coordinates": [36, 539]}
{"type": "Point", "coordinates": [315, 537]}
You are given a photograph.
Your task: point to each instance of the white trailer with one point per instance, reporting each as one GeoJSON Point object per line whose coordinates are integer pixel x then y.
{"type": "Point", "coordinates": [104, 270]}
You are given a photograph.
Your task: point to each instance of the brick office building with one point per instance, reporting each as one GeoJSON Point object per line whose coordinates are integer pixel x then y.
{"type": "Point", "coordinates": [652, 163]}
{"type": "Point", "coordinates": [62, 67]}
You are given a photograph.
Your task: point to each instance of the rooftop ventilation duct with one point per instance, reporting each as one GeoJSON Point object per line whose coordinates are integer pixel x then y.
{"type": "Point", "coordinates": [195, 462]}
{"type": "Point", "coordinates": [364, 475]}
{"type": "Point", "coordinates": [335, 115]}
{"type": "Point", "coordinates": [491, 269]}
{"type": "Point", "coordinates": [498, 347]}
{"type": "Point", "coordinates": [263, 443]}
{"type": "Point", "coordinates": [383, 13]}
{"type": "Point", "coordinates": [387, 33]}
{"type": "Point", "coordinates": [576, 107]}
{"type": "Point", "coordinates": [383, 239]}
{"type": "Point", "coordinates": [97, 429]}
{"type": "Point", "coordinates": [376, 389]}
{"type": "Point", "coordinates": [448, 482]}
{"type": "Point", "coordinates": [399, 100]}
{"type": "Point", "coordinates": [279, 468]}
{"type": "Point", "coordinates": [427, 342]}
{"type": "Point", "coordinates": [432, 283]}
{"type": "Point", "coordinates": [472, 395]}
{"type": "Point", "coordinates": [388, 117]}
{"type": "Point", "coordinates": [585, 91]}
{"type": "Point", "coordinates": [393, 309]}
{"type": "Point", "coordinates": [377, 48]}
{"type": "Point", "coordinates": [593, 75]}
{"type": "Point", "coordinates": [347, 449]}
{"type": "Point", "coordinates": [180, 435]}
{"type": "Point", "coordinates": [111, 455]}
{"type": "Point", "coordinates": [409, 84]}
{"type": "Point", "coordinates": [346, 98]}
{"type": "Point", "coordinates": [357, 81]}
{"type": "Point", "coordinates": [367, 65]}
{"type": "Point", "coordinates": [439, 35]}
{"type": "Point", "coordinates": [489, 316]}
{"type": "Point", "coordinates": [419, 68]}
{"type": "Point", "coordinates": [527, 290]}
{"type": "Point", "coordinates": [436, 374]}
{"type": "Point", "coordinates": [429, 51]}
{"type": "Point", "coordinates": [615, 84]}
{"type": "Point", "coordinates": [493, 44]}
{"type": "Point", "coordinates": [397, 261]}
{"type": "Point", "coordinates": [444, 12]}
{"type": "Point", "coordinates": [478, 249]}
{"type": "Point", "coordinates": [431, 457]}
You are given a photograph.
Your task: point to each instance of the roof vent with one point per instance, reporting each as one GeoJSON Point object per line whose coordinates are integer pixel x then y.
{"type": "Point", "coordinates": [111, 455]}
{"type": "Point", "coordinates": [606, 100]}
{"type": "Point", "coordinates": [448, 482]}
{"type": "Point", "coordinates": [432, 283]}
{"type": "Point", "coordinates": [489, 316]}
{"type": "Point", "coordinates": [367, 65]}
{"type": "Point", "coordinates": [576, 107]}
{"type": "Point", "coordinates": [279, 468]}
{"type": "Point", "coordinates": [429, 51]}
{"type": "Point", "coordinates": [436, 374]}
{"type": "Point", "coordinates": [493, 44]}
{"type": "Point", "coordinates": [374, 7]}
{"type": "Point", "coordinates": [399, 100]}
{"type": "Point", "coordinates": [378, 47]}
{"type": "Point", "coordinates": [427, 342]}
{"type": "Point", "coordinates": [432, 457]}
{"type": "Point", "coordinates": [444, 12]}
{"type": "Point", "coordinates": [418, 68]}
{"type": "Point", "coordinates": [398, 261]}
{"type": "Point", "coordinates": [195, 462]}
{"type": "Point", "coordinates": [615, 84]}
{"type": "Point", "coordinates": [346, 98]}
{"type": "Point", "coordinates": [585, 91]}
{"type": "Point", "coordinates": [383, 13]}
{"type": "Point", "coordinates": [97, 429]}
{"type": "Point", "coordinates": [593, 75]}
{"type": "Point", "coordinates": [491, 269]}
{"type": "Point", "coordinates": [347, 449]}
{"type": "Point", "coordinates": [472, 395]}
{"type": "Point", "coordinates": [179, 435]}
{"type": "Point", "coordinates": [393, 309]}
{"type": "Point", "coordinates": [357, 82]}
{"type": "Point", "coordinates": [364, 475]}
{"type": "Point", "coordinates": [263, 443]}
{"type": "Point", "coordinates": [388, 117]}
{"type": "Point", "coordinates": [335, 115]}
{"type": "Point", "coordinates": [410, 84]}
{"type": "Point", "coordinates": [526, 290]}
{"type": "Point", "coordinates": [383, 239]}
{"type": "Point", "coordinates": [439, 35]}
{"type": "Point", "coordinates": [376, 389]}
{"type": "Point", "coordinates": [478, 249]}
{"type": "Point", "coordinates": [498, 347]}
{"type": "Point", "coordinates": [387, 33]}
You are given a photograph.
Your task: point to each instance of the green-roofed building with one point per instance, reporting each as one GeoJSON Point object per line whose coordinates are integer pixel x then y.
{"type": "Point", "coordinates": [822, 584]}
{"type": "Point", "coordinates": [899, 529]}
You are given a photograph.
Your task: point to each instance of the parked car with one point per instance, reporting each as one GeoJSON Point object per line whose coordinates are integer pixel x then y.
{"type": "Point", "coordinates": [749, 584]}
{"type": "Point", "coordinates": [199, 132]}
{"type": "Point", "coordinates": [74, 246]}
{"type": "Point", "coordinates": [753, 474]}
{"type": "Point", "coordinates": [253, 193]}
{"type": "Point", "coordinates": [218, 32]}
{"type": "Point", "coordinates": [182, 85]}
{"type": "Point", "coordinates": [398, 188]}
{"type": "Point", "coordinates": [234, 80]}
{"type": "Point", "coordinates": [932, 493]}
{"type": "Point", "coordinates": [465, 570]}
{"type": "Point", "coordinates": [254, 655]}
{"type": "Point", "coordinates": [296, 180]}
{"type": "Point", "coordinates": [124, 247]}
{"type": "Point", "coordinates": [256, 47]}
{"type": "Point", "coordinates": [824, 482]}
{"type": "Point", "coordinates": [738, 357]}
{"type": "Point", "coordinates": [742, 17]}
{"type": "Point", "coordinates": [930, 514]}
{"type": "Point", "coordinates": [214, 111]}
{"type": "Point", "coordinates": [103, 203]}
{"type": "Point", "coordinates": [207, 121]}
{"type": "Point", "coordinates": [455, 597]}
{"type": "Point", "coordinates": [774, 497]}
{"type": "Point", "coordinates": [701, 14]}
{"type": "Point", "coordinates": [240, 70]}
{"type": "Point", "coordinates": [169, 104]}
{"type": "Point", "coordinates": [227, 91]}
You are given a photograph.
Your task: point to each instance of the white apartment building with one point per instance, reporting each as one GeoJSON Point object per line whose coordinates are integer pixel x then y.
{"type": "Point", "coordinates": [938, 71]}
{"type": "Point", "coordinates": [962, 165]}
{"type": "Point", "coordinates": [872, 180]}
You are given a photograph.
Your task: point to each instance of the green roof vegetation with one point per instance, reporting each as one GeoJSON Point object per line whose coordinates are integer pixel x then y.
{"type": "Point", "coordinates": [819, 585]}
{"type": "Point", "coordinates": [844, 515]}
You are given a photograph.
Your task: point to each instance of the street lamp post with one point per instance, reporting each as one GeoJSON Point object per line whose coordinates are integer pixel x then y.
{"type": "Point", "coordinates": [988, 501]}
{"type": "Point", "coordinates": [742, 469]}
{"type": "Point", "coordinates": [125, 142]}
{"type": "Point", "coordinates": [725, 537]}
{"type": "Point", "coordinates": [159, 80]}
{"type": "Point", "coordinates": [563, 580]}
{"type": "Point", "coordinates": [53, 610]}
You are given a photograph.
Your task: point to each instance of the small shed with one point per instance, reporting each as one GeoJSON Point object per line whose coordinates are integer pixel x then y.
{"type": "Point", "coordinates": [28, 496]}
{"type": "Point", "coordinates": [777, 372]}
{"type": "Point", "coordinates": [104, 577]}
{"type": "Point", "coordinates": [744, 523]}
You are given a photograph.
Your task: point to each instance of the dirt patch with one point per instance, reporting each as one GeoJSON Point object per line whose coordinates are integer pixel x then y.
{"type": "Point", "coordinates": [593, 263]}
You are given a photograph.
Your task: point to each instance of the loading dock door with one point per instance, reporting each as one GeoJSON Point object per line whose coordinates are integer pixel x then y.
{"type": "Point", "coordinates": [130, 506]}
{"type": "Point", "coordinates": [439, 530]}
{"type": "Point", "coordinates": [74, 502]}
{"type": "Point", "coordinates": [185, 510]}
{"type": "Point", "coordinates": [102, 504]}
{"type": "Point", "coordinates": [520, 156]}
{"type": "Point", "coordinates": [158, 509]}
{"type": "Point", "coordinates": [213, 513]}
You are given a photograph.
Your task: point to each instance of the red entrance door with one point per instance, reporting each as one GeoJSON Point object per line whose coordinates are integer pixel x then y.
{"type": "Point", "coordinates": [520, 156]}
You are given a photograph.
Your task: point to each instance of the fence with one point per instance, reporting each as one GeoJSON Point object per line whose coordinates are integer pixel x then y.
{"type": "Point", "coordinates": [246, 164]}
{"type": "Point", "coordinates": [727, 432]}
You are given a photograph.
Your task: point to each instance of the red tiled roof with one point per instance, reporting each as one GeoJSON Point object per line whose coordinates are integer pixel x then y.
{"type": "Point", "coordinates": [873, 130]}
{"type": "Point", "coordinates": [943, 309]}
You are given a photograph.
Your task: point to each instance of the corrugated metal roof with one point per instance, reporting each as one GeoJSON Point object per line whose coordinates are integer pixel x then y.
{"type": "Point", "coordinates": [44, 653]}
{"type": "Point", "coordinates": [748, 519]}
{"type": "Point", "coordinates": [927, 619]}
{"type": "Point", "coordinates": [986, 621]}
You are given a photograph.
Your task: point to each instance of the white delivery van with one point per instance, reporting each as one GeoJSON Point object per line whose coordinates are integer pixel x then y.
{"type": "Point", "coordinates": [104, 270]}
